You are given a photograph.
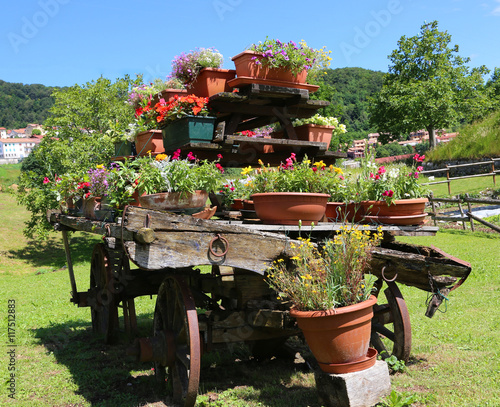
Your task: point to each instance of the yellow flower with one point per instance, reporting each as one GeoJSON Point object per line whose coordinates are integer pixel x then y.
{"type": "Point", "coordinates": [161, 157]}
{"type": "Point", "coordinates": [100, 166]}
{"type": "Point", "coordinates": [246, 170]}
{"type": "Point", "coordinates": [338, 170]}
{"type": "Point", "coordinates": [319, 164]}
{"type": "Point", "coordinates": [260, 162]}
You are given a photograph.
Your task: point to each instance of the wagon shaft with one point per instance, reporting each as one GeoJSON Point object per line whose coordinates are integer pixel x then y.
{"type": "Point", "coordinates": [426, 268]}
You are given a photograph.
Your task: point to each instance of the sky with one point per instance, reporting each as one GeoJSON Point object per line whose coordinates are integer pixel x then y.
{"type": "Point", "coordinates": [68, 42]}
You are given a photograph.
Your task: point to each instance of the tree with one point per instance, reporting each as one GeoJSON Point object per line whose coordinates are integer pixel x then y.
{"type": "Point", "coordinates": [428, 86]}
{"type": "Point", "coordinates": [75, 141]}
{"type": "Point", "coordinates": [494, 85]}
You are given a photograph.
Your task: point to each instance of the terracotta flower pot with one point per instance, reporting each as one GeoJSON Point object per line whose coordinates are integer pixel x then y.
{"type": "Point", "coordinates": [175, 201]}
{"type": "Point", "coordinates": [245, 66]}
{"type": "Point", "coordinates": [211, 81]}
{"type": "Point", "coordinates": [237, 204]}
{"type": "Point", "coordinates": [340, 336]}
{"type": "Point", "coordinates": [288, 208]}
{"type": "Point", "coordinates": [402, 212]}
{"type": "Point", "coordinates": [149, 141]}
{"type": "Point", "coordinates": [314, 132]}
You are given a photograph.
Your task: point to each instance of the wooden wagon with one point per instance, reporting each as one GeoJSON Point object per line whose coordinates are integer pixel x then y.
{"type": "Point", "coordinates": [154, 252]}
{"type": "Point", "coordinates": [199, 308]}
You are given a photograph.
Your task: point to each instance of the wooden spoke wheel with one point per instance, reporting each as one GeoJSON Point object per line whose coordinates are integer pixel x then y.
{"type": "Point", "coordinates": [391, 328]}
{"type": "Point", "coordinates": [176, 321]}
{"type": "Point", "coordinates": [103, 302]}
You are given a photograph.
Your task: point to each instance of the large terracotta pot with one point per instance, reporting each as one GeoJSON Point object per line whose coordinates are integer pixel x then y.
{"type": "Point", "coordinates": [288, 208]}
{"type": "Point", "coordinates": [211, 81]}
{"type": "Point", "coordinates": [245, 66]}
{"type": "Point", "coordinates": [314, 132]}
{"type": "Point", "coordinates": [402, 212]}
{"type": "Point", "coordinates": [175, 201]}
{"type": "Point", "coordinates": [340, 336]}
{"type": "Point", "coordinates": [149, 141]}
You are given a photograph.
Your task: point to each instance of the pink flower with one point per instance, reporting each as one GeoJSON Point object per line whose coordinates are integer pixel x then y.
{"type": "Point", "coordinates": [341, 177]}
{"type": "Point", "coordinates": [388, 193]}
{"type": "Point", "coordinates": [232, 188]}
{"type": "Point", "coordinates": [419, 158]}
{"type": "Point", "coordinates": [176, 154]}
{"type": "Point", "coordinates": [292, 156]}
{"type": "Point", "coordinates": [46, 180]}
{"type": "Point", "coordinates": [420, 168]}
{"type": "Point", "coordinates": [219, 167]}
{"type": "Point", "coordinates": [371, 175]}
{"type": "Point", "coordinates": [191, 157]}
{"type": "Point", "coordinates": [377, 177]}
{"type": "Point", "coordinates": [219, 156]}
{"type": "Point", "coordinates": [416, 175]}
{"type": "Point", "coordinates": [381, 170]}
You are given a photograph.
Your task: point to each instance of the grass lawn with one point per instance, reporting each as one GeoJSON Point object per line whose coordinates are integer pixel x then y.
{"type": "Point", "coordinates": [59, 362]}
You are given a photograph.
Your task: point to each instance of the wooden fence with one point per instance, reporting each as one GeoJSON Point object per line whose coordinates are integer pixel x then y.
{"type": "Point", "coordinates": [464, 217]}
{"type": "Point", "coordinates": [448, 180]}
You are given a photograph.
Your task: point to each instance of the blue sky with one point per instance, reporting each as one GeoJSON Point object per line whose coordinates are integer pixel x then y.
{"type": "Point", "coordinates": [67, 42]}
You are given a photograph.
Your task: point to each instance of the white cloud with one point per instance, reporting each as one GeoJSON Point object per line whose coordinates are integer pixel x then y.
{"type": "Point", "coordinates": [496, 10]}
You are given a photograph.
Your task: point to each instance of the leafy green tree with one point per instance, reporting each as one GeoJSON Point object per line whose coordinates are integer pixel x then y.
{"type": "Point", "coordinates": [493, 85]}
{"type": "Point", "coordinates": [428, 86]}
{"type": "Point", "coordinates": [75, 141]}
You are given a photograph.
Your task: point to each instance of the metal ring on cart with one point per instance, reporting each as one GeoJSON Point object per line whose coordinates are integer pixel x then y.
{"type": "Point", "coordinates": [223, 240]}
{"type": "Point", "coordinates": [386, 279]}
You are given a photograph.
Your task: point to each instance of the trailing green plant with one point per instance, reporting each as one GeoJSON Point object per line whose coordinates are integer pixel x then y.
{"type": "Point", "coordinates": [396, 399]}
{"type": "Point", "coordinates": [323, 121]}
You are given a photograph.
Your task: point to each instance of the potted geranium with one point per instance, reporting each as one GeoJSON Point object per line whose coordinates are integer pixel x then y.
{"type": "Point", "coordinates": [281, 61]}
{"type": "Point", "coordinates": [392, 194]}
{"type": "Point", "coordinates": [292, 193]}
{"type": "Point", "coordinates": [185, 119]}
{"type": "Point", "coordinates": [331, 298]}
{"type": "Point", "coordinates": [171, 183]}
{"type": "Point", "coordinates": [200, 71]}
{"type": "Point", "coordinates": [93, 188]}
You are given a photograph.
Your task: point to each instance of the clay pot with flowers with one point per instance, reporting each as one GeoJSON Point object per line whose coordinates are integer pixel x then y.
{"type": "Point", "coordinates": [175, 184]}
{"type": "Point", "coordinates": [331, 298]}
{"type": "Point", "coordinates": [294, 193]}
{"type": "Point", "coordinates": [392, 195]}
{"type": "Point", "coordinates": [279, 63]}
{"type": "Point", "coordinates": [200, 71]}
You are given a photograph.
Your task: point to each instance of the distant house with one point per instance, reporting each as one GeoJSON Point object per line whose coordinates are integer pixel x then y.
{"type": "Point", "coordinates": [16, 148]}
{"type": "Point", "coordinates": [17, 133]}
{"type": "Point", "coordinates": [444, 138]}
{"type": "Point", "coordinates": [3, 132]}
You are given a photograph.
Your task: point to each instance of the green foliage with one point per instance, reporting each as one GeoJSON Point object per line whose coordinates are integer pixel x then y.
{"type": "Point", "coordinates": [428, 86]}
{"type": "Point", "coordinates": [76, 141]}
{"type": "Point", "coordinates": [349, 91]}
{"type": "Point", "coordinates": [36, 132]}
{"type": "Point", "coordinates": [478, 140]}
{"type": "Point", "coordinates": [22, 104]}
{"type": "Point", "coordinates": [395, 364]}
{"type": "Point", "coordinates": [396, 399]}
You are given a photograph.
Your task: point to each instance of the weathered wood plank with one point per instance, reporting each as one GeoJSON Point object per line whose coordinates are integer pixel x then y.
{"type": "Point", "coordinates": [184, 241]}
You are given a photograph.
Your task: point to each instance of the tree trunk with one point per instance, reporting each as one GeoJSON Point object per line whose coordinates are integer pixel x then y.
{"type": "Point", "coordinates": [432, 136]}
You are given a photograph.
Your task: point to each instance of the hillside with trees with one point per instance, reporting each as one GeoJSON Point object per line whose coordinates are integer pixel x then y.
{"type": "Point", "coordinates": [23, 104]}
{"type": "Point", "coordinates": [349, 91]}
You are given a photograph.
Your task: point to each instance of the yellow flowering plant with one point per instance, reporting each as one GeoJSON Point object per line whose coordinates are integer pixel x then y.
{"type": "Point", "coordinates": [327, 276]}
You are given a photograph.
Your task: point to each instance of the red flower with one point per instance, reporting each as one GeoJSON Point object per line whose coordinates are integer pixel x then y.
{"type": "Point", "coordinates": [388, 193]}
{"type": "Point", "coordinates": [46, 180]}
{"type": "Point", "coordinates": [219, 156]}
{"type": "Point", "coordinates": [219, 167]}
{"type": "Point", "coordinates": [381, 170]}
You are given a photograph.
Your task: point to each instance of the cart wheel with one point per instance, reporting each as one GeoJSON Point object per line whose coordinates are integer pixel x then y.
{"type": "Point", "coordinates": [391, 329]}
{"type": "Point", "coordinates": [176, 320]}
{"type": "Point", "coordinates": [103, 305]}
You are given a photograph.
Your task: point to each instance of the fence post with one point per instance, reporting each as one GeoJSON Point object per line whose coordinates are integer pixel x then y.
{"type": "Point", "coordinates": [493, 171]}
{"type": "Point", "coordinates": [431, 196]}
{"type": "Point", "coordinates": [470, 211]}
{"type": "Point", "coordinates": [448, 178]}
{"type": "Point", "coordinates": [462, 214]}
